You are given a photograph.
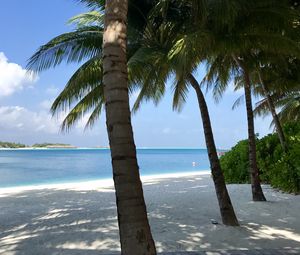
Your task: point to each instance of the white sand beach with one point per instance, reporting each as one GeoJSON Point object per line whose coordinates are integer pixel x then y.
{"type": "Point", "coordinates": [80, 218]}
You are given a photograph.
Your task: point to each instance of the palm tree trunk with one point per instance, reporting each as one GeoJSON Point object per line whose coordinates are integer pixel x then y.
{"type": "Point", "coordinates": [134, 229]}
{"type": "Point", "coordinates": [274, 114]}
{"type": "Point", "coordinates": [257, 192]}
{"type": "Point", "coordinates": [226, 208]}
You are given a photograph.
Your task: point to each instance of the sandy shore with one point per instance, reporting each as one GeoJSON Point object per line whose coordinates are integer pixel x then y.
{"type": "Point", "coordinates": [80, 218]}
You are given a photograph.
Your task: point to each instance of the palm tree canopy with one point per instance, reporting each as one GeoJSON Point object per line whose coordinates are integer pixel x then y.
{"type": "Point", "coordinates": [84, 44]}
{"type": "Point", "coordinates": [165, 38]}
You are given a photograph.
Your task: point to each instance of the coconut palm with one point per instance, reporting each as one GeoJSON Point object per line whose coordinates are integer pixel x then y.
{"type": "Point", "coordinates": [257, 192]}
{"type": "Point", "coordinates": [135, 234]}
{"type": "Point", "coordinates": [280, 80]}
{"type": "Point", "coordinates": [85, 87]}
{"type": "Point", "coordinates": [238, 42]}
{"type": "Point", "coordinates": [288, 102]}
{"type": "Point", "coordinates": [82, 93]}
{"type": "Point", "coordinates": [112, 90]}
{"type": "Point", "coordinates": [272, 109]}
{"type": "Point", "coordinates": [167, 51]}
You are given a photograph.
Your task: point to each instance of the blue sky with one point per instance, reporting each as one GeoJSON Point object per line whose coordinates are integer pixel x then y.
{"type": "Point", "coordinates": [25, 100]}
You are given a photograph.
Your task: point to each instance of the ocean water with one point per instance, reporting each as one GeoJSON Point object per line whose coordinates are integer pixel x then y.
{"type": "Point", "coordinates": [34, 167]}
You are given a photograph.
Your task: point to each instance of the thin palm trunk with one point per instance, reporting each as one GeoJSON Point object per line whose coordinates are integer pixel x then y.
{"type": "Point", "coordinates": [134, 229]}
{"type": "Point", "coordinates": [257, 192]}
{"type": "Point", "coordinates": [226, 208]}
{"type": "Point", "coordinates": [272, 109]}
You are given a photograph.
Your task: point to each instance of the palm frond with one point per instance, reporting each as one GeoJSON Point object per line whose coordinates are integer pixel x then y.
{"type": "Point", "coordinates": [83, 43]}
{"type": "Point", "coordinates": [180, 90]}
{"type": "Point", "coordinates": [92, 18]}
{"type": "Point", "coordinates": [238, 102]}
{"type": "Point", "coordinates": [94, 116]}
{"type": "Point", "coordinates": [93, 4]}
{"type": "Point", "coordinates": [84, 80]}
{"type": "Point", "coordinates": [90, 102]}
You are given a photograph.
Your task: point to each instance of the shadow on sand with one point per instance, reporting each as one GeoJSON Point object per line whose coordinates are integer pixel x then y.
{"type": "Point", "coordinates": [71, 222]}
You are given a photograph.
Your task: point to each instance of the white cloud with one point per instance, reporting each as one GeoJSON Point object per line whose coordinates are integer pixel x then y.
{"type": "Point", "coordinates": [18, 118]}
{"type": "Point", "coordinates": [13, 77]}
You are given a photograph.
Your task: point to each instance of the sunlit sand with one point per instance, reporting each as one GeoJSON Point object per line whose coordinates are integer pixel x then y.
{"type": "Point", "coordinates": [80, 218]}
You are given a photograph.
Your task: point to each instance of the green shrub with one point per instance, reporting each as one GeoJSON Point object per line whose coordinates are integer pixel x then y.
{"type": "Point", "coordinates": [285, 172]}
{"type": "Point", "coordinates": [235, 163]}
{"type": "Point", "coordinates": [269, 151]}
{"type": "Point", "coordinates": [280, 169]}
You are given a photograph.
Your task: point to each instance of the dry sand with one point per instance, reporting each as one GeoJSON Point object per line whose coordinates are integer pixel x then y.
{"type": "Point", "coordinates": [80, 218]}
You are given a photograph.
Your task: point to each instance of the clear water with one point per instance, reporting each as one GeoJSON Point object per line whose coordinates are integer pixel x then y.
{"type": "Point", "coordinates": [32, 167]}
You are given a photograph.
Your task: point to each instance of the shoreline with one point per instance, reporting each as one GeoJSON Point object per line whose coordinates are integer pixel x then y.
{"type": "Point", "coordinates": [95, 184]}
{"type": "Point", "coordinates": [81, 218]}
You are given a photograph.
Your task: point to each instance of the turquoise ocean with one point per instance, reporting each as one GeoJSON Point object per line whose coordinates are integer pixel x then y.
{"type": "Point", "coordinates": [49, 166]}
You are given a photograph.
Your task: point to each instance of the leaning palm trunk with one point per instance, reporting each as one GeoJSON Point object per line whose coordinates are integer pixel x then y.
{"type": "Point", "coordinates": [272, 109]}
{"type": "Point", "coordinates": [226, 208]}
{"type": "Point", "coordinates": [257, 192]}
{"type": "Point", "coordinates": [135, 234]}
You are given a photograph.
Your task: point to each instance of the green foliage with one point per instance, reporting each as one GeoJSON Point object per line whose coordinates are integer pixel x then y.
{"type": "Point", "coordinates": [11, 145]}
{"type": "Point", "coordinates": [235, 163]}
{"type": "Point", "coordinates": [280, 169]}
{"type": "Point", "coordinates": [292, 130]}
{"type": "Point", "coordinates": [269, 150]}
{"type": "Point", "coordinates": [286, 171]}
{"type": "Point", "coordinates": [43, 145]}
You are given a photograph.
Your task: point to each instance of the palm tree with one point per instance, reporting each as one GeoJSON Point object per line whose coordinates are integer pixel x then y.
{"type": "Point", "coordinates": [227, 211]}
{"type": "Point", "coordinates": [272, 109]}
{"type": "Point", "coordinates": [290, 104]}
{"type": "Point", "coordinates": [279, 81]}
{"type": "Point", "coordinates": [81, 93]}
{"type": "Point", "coordinates": [88, 86]}
{"type": "Point", "coordinates": [257, 192]}
{"type": "Point", "coordinates": [238, 41]}
{"type": "Point", "coordinates": [175, 53]}
{"type": "Point", "coordinates": [86, 89]}
{"type": "Point", "coordinates": [135, 234]}
{"type": "Point", "coordinates": [288, 101]}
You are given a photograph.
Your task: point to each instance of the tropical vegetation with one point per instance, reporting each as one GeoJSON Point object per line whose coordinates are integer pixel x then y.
{"type": "Point", "coordinates": [144, 51]}
{"type": "Point", "coordinates": [11, 145]}
{"type": "Point", "coordinates": [279, 168]}
{"type": "Point", "coordinates": [36, 145]}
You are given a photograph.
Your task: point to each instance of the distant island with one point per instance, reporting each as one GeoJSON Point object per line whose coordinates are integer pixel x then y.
{"type": "Point", "coordinates": [11, 145]}
{"type": "Point", "coordinates": [52, 145]}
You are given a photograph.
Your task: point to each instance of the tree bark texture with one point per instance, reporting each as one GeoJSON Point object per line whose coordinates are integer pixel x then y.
{"type": "Point", "coordinates": [257, 192]}
{"type": "Point", "coordinates": [225, 205]}
{"type": "Point", "coordinates": [134, 229]}
{"type": "Point", "coordinates": [275, 117]}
